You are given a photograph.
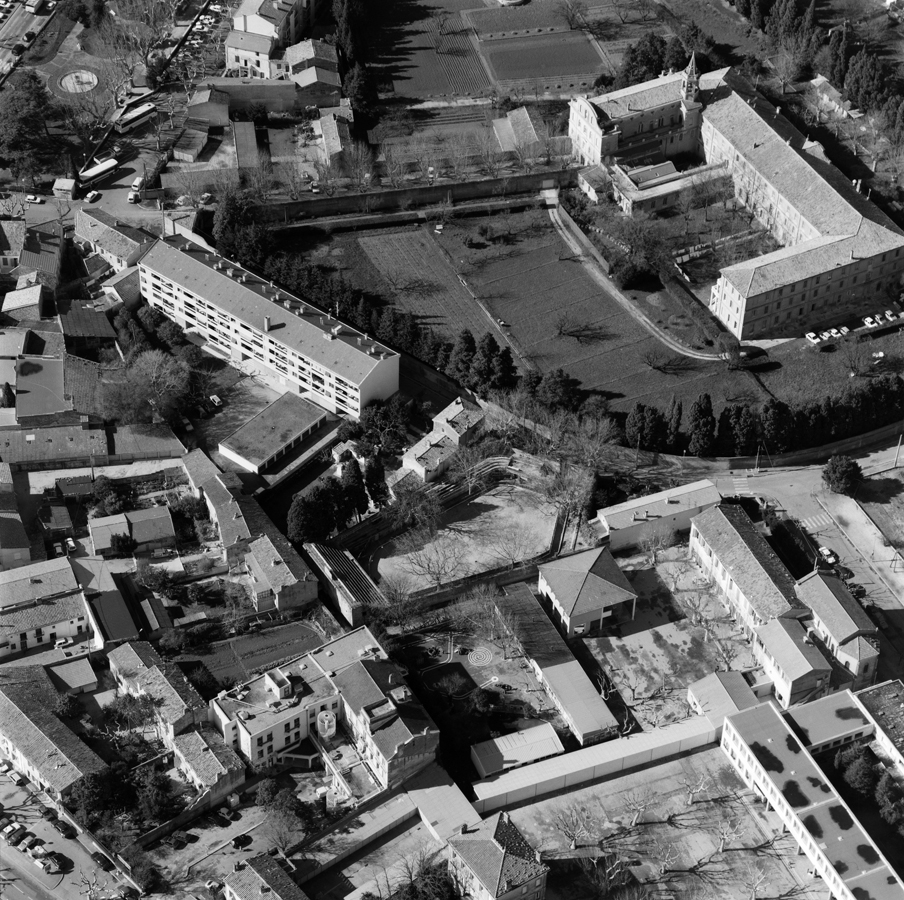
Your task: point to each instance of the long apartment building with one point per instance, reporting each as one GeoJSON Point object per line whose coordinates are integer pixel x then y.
{"type": "Point", "coordinates": [267, 719]}
{"type": "Point", "coordinates": [840, 253]}
{"type": "Point", "coordinates": [246, 319]}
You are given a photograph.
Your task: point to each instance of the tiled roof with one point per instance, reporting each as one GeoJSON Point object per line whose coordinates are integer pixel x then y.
{"type": "Point", "coordinates": [207, 755]}
{"type": "Point", "coordinates": [40, 581]}
{"type": "Point", "coordinates": [335, 134]}
{"type": "Point", "coordinates": [267, 567]}
{"type": "Point", "coordinates": [258, 522]}
{"type": "Point", "coordinates": [134, 656]}
{"type": "Point", "coordinates": [587, 582]}
{"type": "Point", "coordinates": [241, 40]}
{"type": "Point", "coordinates": [82, 319]}
{"type": "Point", "coordinates": [785, 641]}
{"type": "Point", "coordinates": [43, 248]}
{"type": "Point", "coordinates": [304, 51]}
{"type": "Point", "coordinates": [173, 693]}
{"type": "Point", "coordinates": [81, 382]}
{"type": "Point", "coordinates": [834, 605]}
{"type": "Point", "coordinates": [230, 519]}
{"type": "Point", "coordinates": [27, 296]}
{"type": "Point", "coordinates": [107, 233]}
{"type": "Point", "coordinates": [759, 574]}
{"type": "Point", "coordinates": [73, 675]}
{"type": "Point", "coordinates": [639, 97]}
{"type": "Point", "coordinates": [27, 700]}
{"type": "Point", "coordinates": [498, 855]}
{"type": "Point", "coordinates": [314, 76]}
{"type": "Point", "coordinates": [459, 416]}
{"type": "Point", "coordinates": [151, 524]}
{"type": "Point", "coordinates": [12, 531]}
{"type": "Point", "coordinates": [103, 528]}
{"type": "Point", "coordinates": [125, 284]}
{"type": "Point", "coordinates": [199, 467]}
{"type": "Point", "coordinates": [263, 876]}
{"type": "Point", "coordinates": [722, 694]}
{"type": "Point", "coordinates": [518, 749]}
{"type": "Point", "coordinates": [12, 236]}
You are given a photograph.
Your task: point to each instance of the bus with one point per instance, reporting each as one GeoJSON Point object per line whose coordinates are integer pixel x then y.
{"type": "Point", "coordinates": [136, 117]}
{"type": "Point", "coordinates": [95, 173]}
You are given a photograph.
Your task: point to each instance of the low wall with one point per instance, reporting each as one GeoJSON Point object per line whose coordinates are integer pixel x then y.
{"type": "Point", "coordinates": [203, 805]}
{"type": "Point", "coordinates": [422, 195]}
{"type": "Point", "coordinates": [563, 773]}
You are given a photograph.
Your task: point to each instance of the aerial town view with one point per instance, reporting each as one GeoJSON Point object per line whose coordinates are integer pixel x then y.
{"type": "Point", "coordinates": [452, 449]}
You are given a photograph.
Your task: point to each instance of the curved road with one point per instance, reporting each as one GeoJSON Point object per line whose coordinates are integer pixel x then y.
{"type": "Point", "coordinates": [580, 245]}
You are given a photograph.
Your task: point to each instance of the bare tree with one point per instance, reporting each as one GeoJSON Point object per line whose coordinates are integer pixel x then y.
{"type": "Point", "coordinates": [91, 886]}
{"type": "Point", "coordinates": [190, 182]}
{"type": "Point", "coordinates": [622, 9]}
{"type": "Point", "coordinates": [491, 156]}
{"type": "Point", "coordinates": [468, 464]}
{"type": "Point", "coordinates": [605, 874]}
{"type": "Point", "coordinates": [523, 155]}
{"type": "Point", "coordinates": [695, 784]}
{"type": "Point", "coordinates": [593, 436]}
{"type": "Point", "coordinates": [260, 178]}
{"type": "Point", "coordinates": [422, 153]}
{"type": "Point", "coordinates": [359, 161]}
{"type": "Point", "coordinates": [694, 605]}
{"type": "Point", "coordinates": [729, 831]}
{"type": "Point", "coordinates": [327, 174]}
{"type": "Point", "coordinates": [437, 558]}
{"type": "Point", "coordinates": [419, 507]}
{"type": "Point", "coordinates": [283, 829]}
{"type": "Point", "coordinates": [292, 174]}
{"type": "Point", "coordinates": [638, 802]}
{"type": "Point", "coordinates": [393, 165]}
{"type": "Point", "coordinates": [512, 543]}
{"type": "Point", "coordinates": [224, 180]}
{"type": "Point", "coordinates": [655, 537]}
{"type": "Point", "coordinates": [458, 152]}
{"type": "Point", "coordinates": [654, 358]}
{"type": "Point", "coordinates": [855, 355]}
{"type": "Point", "coordinates": [575, 822]}
{"type": "Point", "coordinates": [787, 64]}
{"type": "Point", "coordinates": [573, 13]}
{"type": "Point", "coordinates": [728, 652]}
{"type": "Point", "coordinates": [754, 878]}
{"type": "Point", "coordinates": [667, 855]}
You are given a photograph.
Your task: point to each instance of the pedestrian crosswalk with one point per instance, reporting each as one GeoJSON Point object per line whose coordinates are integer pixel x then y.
{"type": "Point", "coordinates": [816, 523]}
{"type": "Point", "coordinates": [739, 482]}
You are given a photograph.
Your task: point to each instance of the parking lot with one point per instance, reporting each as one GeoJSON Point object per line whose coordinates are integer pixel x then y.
{"type": "Point", "coordinates": [21, 804]}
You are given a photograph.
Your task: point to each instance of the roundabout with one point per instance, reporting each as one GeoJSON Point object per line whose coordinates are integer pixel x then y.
{"type": "Point", "coordinates": [81, 81]}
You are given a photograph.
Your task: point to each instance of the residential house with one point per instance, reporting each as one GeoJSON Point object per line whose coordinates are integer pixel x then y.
{"type": "Point", "coordinates": [269, 718]}
{"type": "Point", "coordinates": [211, 104]}
{"type": "Point", "coordinates": [585, 589]}
{"type": "Point", "coordinates": [261, 876]}
{"type": "Point", "coordinates": [40, 604]}
{"type": "Point", "coordinates": [336, 136]}
{"type": "Point", "coordinates": [24, 305]}
{"type": "Point", "coordinates": [842, 625]}
{"type": "Point", "coordinates": [74, 676]}
{"type": "Point", "coordinates": [206, 762]}
{"type": "Point", "coordinates": [346, 584]}
{"type": "Point", "coordinates": [108, 606]}
{"type": "Point", "coordinates": [42, 253]}
{"type": "Point", "coordinates": [151, 529]}
{"type": "Point", "coordinates": [276, 582]}
{"type": "Point", "coordinates": [455, 426]}
{"type": "Point", "coordinates": [119, 243]}
{"type": "Point", "coordinates": [243, 318]}
{"type": "Point", "coordinates": [140, 671]}
{"type": "Point", "coordinates": [55, 520]}
{"type": "Point", "coordinates": [460, 422]}
{"type": "Point", "coordinates": [494, 861]}
{"type": "Point", "coordinates": [15, 547]}
{"type": "Point", "coordinates": [251, 54]}
{"type": "Point", "coordinates": [124, 287]}
{"type": "Point", "coordinates": [85, 327]}
{"type": "Point", "coordinates": [35, 740]}
{"type": "Point", "coordinates": [317, 87]}
{"type": "Point", "coordinates": [719, 695]}
{"type": "Point", "coordinates": [12, 240]}
{"type": "Point", "coordinates": [311, 54]}
{"type": "Point", "coordinates": [244, 93]}
{"type": "Point", "coordinates": [654, 515]}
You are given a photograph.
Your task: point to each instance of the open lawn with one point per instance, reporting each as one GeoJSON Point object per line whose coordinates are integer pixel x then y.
{"type": "Point", "coordinates": [652, 659]}
{"type": "Point", "coordinates": [424, 283]}
{"type": "Point", "coordinates": [680, 838]}
{"type": "Point", "coordinates": [528, 278]}
{"type": "Point", "coordinates": [882, 497]}
{"type": "Point", "coordinates": [506, 523]}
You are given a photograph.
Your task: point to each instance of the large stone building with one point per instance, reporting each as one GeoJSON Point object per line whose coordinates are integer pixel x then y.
{"type": "Point", "coordinates": [840, 254]}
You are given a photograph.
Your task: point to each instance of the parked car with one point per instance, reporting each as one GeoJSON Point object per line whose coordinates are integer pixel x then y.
{"type": "Point", "coordinates": [48, 812]}
{"type": "Point", "coordinates": [26, 843]}
{"type": "Point", "coordinates": [29, 36]}
{"type": "Point", "coordinates": [5, 766]}
{"type": "Point", "coordinates": [18, 49]}
{"type": "Point", "coordinates": [878, 318]}
{"type": "Point", "coordinates": [215, 400]}
{"type": "Point", "coordinates": [34, 198]}
{"type": "Point", "coordinates": [16, 778]}
{"type": "Point", "coordinates": [92, 197]}
{"type": "Point", "coordinates": [825, 336]}
{"type": "Point", "coordinates": [828, 556]}
{"type": "Point", "coordinates": [102, 861]}
{"type": "Point", "coordinates": [134, 197]}
{"type": "Point", "coordinates": [835, 332]}
{"type": "Point", "coordinates": [240, 840]}
{"type": "Point", "coordinates": [17, 836]}
{"type": "Point", "coordinates": [890, 315]}
{"type": "Point", "coordinates": [64, 828]}
{"type": "Point", "coordinates": [869, 321]}
{"type": "Point", "coordinates": [70, 543]}
{"type": "Point", "coordinates": [845, 330]}
{"type": "Point", "coordinates": [813, 337]}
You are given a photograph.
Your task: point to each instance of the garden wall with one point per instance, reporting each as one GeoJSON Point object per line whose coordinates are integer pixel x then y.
{"type": "Point", "coordinates": [422, 195]}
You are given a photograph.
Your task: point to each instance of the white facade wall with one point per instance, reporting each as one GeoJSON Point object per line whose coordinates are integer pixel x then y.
{"type": "Point", "coordinates": [288, 365]}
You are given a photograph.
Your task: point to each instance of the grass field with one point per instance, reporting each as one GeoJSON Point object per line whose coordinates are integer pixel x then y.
{"type": "Point", "coordinates": [423, 282]}
{"type": "Point", "coordinates": [527, 278]}
{"type": "Point", "coordinates": [882, 496]}
{"type": "Point", "coordinates": [541, 56]}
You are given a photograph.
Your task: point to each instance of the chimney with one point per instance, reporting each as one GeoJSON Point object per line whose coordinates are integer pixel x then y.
{"type": "Point", "coordinates": [778, 110]}
{"type": "Point", "coordinates": [504, 817]}
{"type": "Point", "coordinates": [463, 829]}
{"type": "Point", "coordinates": [266, 323]}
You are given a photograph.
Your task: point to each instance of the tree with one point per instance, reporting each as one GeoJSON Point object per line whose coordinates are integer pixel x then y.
{"type": "Point", "coordinates": [729, 831]}
{"type": "Point", "coordinates": [841, 474]}
{"type": "Point", "coordinates": [155, 384]}
{"type": "Point", "coordinates": [153, 793]}
{"type": "Point", "coordinates": [418, 506]}
{"type": "Point", "coordinates": [558, 390]}
{"type": "Point", "coordinates": [312, 516]}
{"type": "Point", "coordinates": [481, 375]}
{"type": "Point", "coordinates": [656, 536]}
{"type": "Point", "coordinates": [358, 86]}
{"type": "Point", "coordinates": [512, 543]}
{"type": "Point", "coordinates": [266, 792]}
{"type": "Point", "coordinates": [283, 829]}
{"type": "Point", "coordinates": [437, 558]}
{"type": "Point", "coordinates": [695, 784]}
{"type": "Point", "coordinates": [128, 712]}
{"type": "Point", "coordinates": [353, 486]}
{"type": "Point", "coordinates": [467, 464]}
{"type": "Point", "coordinates": [643, 61]}
{"type": "Point", "coordinates": [375, 481]}
{"type": "Point", "coordinates": [573, 13]}
{"type": "Point", "coordinates": [122, 544]}
{"type": "Point", "coordinates": [460, 362]}
{"type": "Point", "coordinates": [702, 426]}
{"type": "Point", "coordinates": [638, 802]}
{"type": "Point", "coordinates": [359, 163]}
{"type": "Point", "coordinates": [673, 424]}
{"type": "Point", "coordinates": [860, 775]}
{"type": "Point", "coordinates": [575, 822]}
{"type": "Point", "coordinates": [26, 106]}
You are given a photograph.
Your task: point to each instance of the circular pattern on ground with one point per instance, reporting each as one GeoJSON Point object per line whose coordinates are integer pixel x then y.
{"type": "Point", "coordinates": [480, 657]}
{"type": "Point", "coordinates": [79, 82]}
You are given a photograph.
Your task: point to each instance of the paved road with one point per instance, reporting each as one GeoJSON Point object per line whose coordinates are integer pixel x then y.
{"type": "Point", "coordinates": [12, 30]}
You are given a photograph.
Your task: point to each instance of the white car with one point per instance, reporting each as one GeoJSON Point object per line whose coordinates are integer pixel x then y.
{"type": "Point", "coordinates": [878, 318]}
{"type": "Point", "coordinates": [825, 336]}
{"type": "Point", "coordinates": [890, 315]}
{"type": "Point", "coordinates": [835, 332]}
{"type": "Point", "coordinates": [70, 543]}
{"type": "Point", "coordinates": [828, 556]}
{"type": "Point", "coordinates": [870, 322]}
{"type": "Point", "coordinates": [92, 197]}
{"type": "Point", "coordinates": [33, 198]}
{"type": "Point", "coordinates": [845, 330]}
{"type": "Point", "coordinates": [215, 400]}
{"type": "Point", "coordinates": [813, 337]}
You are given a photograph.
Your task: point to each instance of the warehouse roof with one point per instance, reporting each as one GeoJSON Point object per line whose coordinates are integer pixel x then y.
{"type": "Point", "coordinates": [835, 606]}
{"type": "Point", "coordinates": [313, 333]}
{"type": "Point", "coordinates": [697, 495]}
{"type": "Point", "coordinates": [518, 749]}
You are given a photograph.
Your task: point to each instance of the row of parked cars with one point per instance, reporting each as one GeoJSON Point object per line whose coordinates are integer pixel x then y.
{"type": "Point", "coordinates": [869, 321]}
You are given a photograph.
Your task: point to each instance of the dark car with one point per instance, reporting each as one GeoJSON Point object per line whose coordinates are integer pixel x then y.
{"type": "Point", "coordinates": [102, 861]}
{"type": "Point", "coordinates": [18, 49]}
{"type": "Point", "coordinates": [64, 828]}
{"type": "Point", "coordinates": [48, 813]}
{"type": "Point", "coordinates": [29, 36]}
{"type": "Point", "coordinates": [240, 840]}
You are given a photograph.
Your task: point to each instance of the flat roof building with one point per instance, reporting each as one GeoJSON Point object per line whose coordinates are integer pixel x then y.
{"type": "Point", "coordinates": [511, 751]}
{"type": "Point", "coordinates": [273, 432]}
{"type": "Point", "coordinates": [245, 318]}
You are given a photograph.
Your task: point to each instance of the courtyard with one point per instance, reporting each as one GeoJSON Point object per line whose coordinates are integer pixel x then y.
{"type": "Point", "coordinates": [502, 526]}
{"type": "Point", "coordinates": [680, 634]}
{"type": "Point", "coordinates": [674, 847]}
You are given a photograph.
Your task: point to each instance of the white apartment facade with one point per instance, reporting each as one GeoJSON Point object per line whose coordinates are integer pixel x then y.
{"type": "Point", "coordinates": [246, 319]}
{"type": "Point", "coordinates": [270, 26]}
